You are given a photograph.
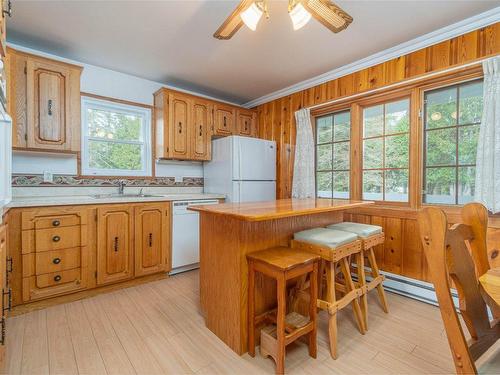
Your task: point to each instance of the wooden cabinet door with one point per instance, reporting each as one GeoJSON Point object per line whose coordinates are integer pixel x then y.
{"type": "Point", "coordinates": [247, 123]}
{"type": "Point", "coordinates": [179, 118]}
{"type": "Point", "coordinates": [224, 117]}
{"type": "Point", "coordinates": [201, 128]}
{"type": "Point", "coordinates": [115, 258]}
{"type": "Point", "coordinates": [151, 238]}
{"type": "Point", "coordinates": [47, 103]}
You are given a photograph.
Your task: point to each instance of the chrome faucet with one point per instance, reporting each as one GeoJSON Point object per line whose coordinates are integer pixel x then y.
{"type": "Point", "coordinates": [121, 186]}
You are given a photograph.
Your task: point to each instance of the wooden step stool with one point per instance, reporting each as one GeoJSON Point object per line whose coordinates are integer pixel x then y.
{"type": "Point", "coordinates": [282, 264]}
{"type": "Point", "coordinates": [370, 236]}
{"type": "Point", "coordinates": [335, 248]}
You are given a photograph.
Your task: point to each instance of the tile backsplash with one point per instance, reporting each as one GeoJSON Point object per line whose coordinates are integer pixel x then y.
{"type": "Point", "coordinates": [25, 180]}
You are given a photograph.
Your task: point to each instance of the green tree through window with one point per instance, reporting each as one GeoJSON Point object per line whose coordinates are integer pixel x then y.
{"type": "Point", "coordinates": [386, 151]}
{"type": "Point", "coordinates": [116, 138]}
{"type": "Point", "coordinates": [333, 135]}
{"type": "Point", "coordinates": [452, 120]}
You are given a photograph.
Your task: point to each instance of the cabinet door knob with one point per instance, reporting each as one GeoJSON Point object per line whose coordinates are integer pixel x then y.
{"type": "Point", "coordinates": [57, 278]}
{"type": "Point", "coordinates": [201, 130]}
{"type": "Point", "coordinates": [56, 238]}
{"type": "Point", "coordinates": [225, 121]}
{"type": "Point", "coordinates": [116, 244]}
{"type": "Point", "coordinates": [180, 127]}
{"type": "Point", "coordinates": [56, 260]}
{"type": "Point", "coordinates": [56, 223]}
{"type": "Point", "coordinates": [49, 107]}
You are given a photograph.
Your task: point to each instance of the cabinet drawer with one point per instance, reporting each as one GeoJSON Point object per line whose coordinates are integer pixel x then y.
{"type": "Point", "coordinates": [58, 278]}
{"type": "Point", "coordinates": [51, 261]}
{"type": "Point", "coordinates": [46, 286]}
{"type": "Point", "coordinates": [44, 218]}
{"type": "Point", "coordinates": [57, 238]}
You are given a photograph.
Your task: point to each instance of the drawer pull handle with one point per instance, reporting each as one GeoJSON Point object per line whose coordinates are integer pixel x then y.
{"type": "Point", "coordinates": [7, 293]}
{"type": "Point", "coordinates": [180, 127]}
{"type": "Point", "coordinates": [116, 244]}
{"type": "Point", "coordinates": [56, 223]}
{"type": "Point", "coordinates": [56, 238]}
{"type": "Point", "coordinates": [56, 260]}
{"type": "Point", "coordinates": [10, 265]}
{"type": "Point", "coordinates": [150, 239]}
{"type": "Point", "coordinates": [57, 278]}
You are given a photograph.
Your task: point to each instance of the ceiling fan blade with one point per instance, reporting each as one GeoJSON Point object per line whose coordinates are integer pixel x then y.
{"type": "Point", "coordinates": [329, 14]}
{"type": "Point", "coordinates": [232, 23]}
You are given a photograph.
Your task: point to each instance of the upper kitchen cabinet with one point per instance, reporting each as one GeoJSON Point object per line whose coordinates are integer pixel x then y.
{"type": "Point", "coordinates": [44, 102]}
{"type": "Point", "coordinates": [202, 123]}
{"type": "Point", "coordinates": [224, 119]}
{"type": "Point", "coordinates": [247, 122]}
{"type": "Point", "coordinates": [183, 125]}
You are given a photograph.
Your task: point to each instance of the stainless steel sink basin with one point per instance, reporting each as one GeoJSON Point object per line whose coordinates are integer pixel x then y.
{"type": "Point", "coordinates": [115, 196]}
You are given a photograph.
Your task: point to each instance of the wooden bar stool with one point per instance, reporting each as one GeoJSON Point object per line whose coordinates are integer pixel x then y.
{"type": "Point", "coordinates": [334, 247]}
{"type": "Point", "coordinates": [370, 236]}
{"type": "Point", "coordinates": [282, 264]}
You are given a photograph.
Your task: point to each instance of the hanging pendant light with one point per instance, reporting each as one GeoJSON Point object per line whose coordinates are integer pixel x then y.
{"type": "Point", "coordinates": [299, 15]}
{"type": "Point", "coordinates": [251, 16]}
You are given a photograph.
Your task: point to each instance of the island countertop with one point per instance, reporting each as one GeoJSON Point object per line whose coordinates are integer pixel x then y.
{"type": "Point", "coordinates": [282, 208]}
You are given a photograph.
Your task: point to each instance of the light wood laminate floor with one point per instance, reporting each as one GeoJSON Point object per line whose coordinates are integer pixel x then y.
{"type": "Point", "coordinates": [156, 328]}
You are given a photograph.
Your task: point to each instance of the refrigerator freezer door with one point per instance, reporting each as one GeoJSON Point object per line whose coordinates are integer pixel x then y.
{"type": "Point", "coordinates": [253, 191]}
{"type": "Point", "coordinates": [254, 159]}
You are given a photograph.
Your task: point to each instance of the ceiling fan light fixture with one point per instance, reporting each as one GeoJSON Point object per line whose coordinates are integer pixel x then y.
{"type": "Point", "coordinates": [251, 16]}
{"type": "Point", "coordinates": [299, 15]}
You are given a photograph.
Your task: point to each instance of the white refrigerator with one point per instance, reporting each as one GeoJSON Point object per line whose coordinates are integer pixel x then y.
{"type": "Point", "coordinates": [242, 168]}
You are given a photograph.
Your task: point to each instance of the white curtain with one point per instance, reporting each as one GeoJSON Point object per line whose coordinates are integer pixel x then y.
{"type": "Point", "coordinates": [488, 147]}
{"type": "Point", "coordinates": [303, 169]}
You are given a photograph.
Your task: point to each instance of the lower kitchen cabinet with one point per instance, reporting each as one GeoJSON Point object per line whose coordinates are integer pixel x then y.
{"type": "Point", "coordinates": [115, 257]}
{"type": "Point", "coordinates": [66, 249]}
{"type": "Point", "coordinates": [151, 239]}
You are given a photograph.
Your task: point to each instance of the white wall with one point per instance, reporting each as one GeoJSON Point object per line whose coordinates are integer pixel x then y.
{"type": "Point", "coordinates": [109, 83]}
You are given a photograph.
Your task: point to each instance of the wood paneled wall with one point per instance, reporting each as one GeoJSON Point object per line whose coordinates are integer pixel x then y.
{"type": "Point", "coordinates": [276, 118]}
{"type": "Point", "coordinates": [402, 253]}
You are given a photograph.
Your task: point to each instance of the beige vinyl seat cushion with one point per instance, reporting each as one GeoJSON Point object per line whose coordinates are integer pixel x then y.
{"type": "Point", "coordinates": [330, 238]}
{"type": "Point", "coordinates": [362, 230]}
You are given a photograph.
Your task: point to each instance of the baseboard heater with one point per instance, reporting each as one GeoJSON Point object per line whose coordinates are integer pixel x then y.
{"type": "Point", "coordinates": [412, 288]}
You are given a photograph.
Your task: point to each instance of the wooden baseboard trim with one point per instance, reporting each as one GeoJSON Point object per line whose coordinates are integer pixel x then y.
{"type": "Point", "coordinates": [33, 306]}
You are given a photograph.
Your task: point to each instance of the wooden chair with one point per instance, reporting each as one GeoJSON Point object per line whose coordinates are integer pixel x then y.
{"type": "Point", "coordinates": [335, 248]}
{"type": "Point", "coordinates": [448, 256]}
{"type": "Point", "coordinates": [282, 264]}
{"type": "Point", "coordinates": [370, 236]}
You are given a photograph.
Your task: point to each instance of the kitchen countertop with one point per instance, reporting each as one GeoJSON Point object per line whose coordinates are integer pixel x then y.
{"type": "Point", "coordinates": [88, 199]}
{"type": "Point", "coordinates": [259, 211]}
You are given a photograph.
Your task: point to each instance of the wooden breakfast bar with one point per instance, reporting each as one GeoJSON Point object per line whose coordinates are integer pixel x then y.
{"type": "Point", "coordinates": [228, 232]}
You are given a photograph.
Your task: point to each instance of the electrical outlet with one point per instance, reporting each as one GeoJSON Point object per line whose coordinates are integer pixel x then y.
{"type": "Point", "coordinates": [179, 179]}
{"type": "Point", "coordinates": [48, 176]}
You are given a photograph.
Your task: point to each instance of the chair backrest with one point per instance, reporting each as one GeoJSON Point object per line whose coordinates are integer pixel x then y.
{"type": "Point", "coordinates": [448, 257]}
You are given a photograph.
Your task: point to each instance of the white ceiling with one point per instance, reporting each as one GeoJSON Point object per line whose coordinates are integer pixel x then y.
{"type": "Point", "coordinates": [171, 41]}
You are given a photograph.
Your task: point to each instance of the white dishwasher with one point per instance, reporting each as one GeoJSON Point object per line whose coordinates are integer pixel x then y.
{"type": "Point", "coordinates": [186, 235]}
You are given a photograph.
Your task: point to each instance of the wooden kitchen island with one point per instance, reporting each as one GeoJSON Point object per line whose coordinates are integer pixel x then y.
{"type": "Point", "coordinates": [228, 232]}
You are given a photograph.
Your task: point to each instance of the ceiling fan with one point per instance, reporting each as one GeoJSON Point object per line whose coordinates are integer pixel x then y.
{"type": "Point", "coordinates": [249, 12]}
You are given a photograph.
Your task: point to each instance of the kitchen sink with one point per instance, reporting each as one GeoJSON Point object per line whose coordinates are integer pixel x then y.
{"type": "Point", "coordinates": [114, 196]}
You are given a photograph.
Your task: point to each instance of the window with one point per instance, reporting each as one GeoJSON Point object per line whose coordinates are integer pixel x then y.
{"type": "Point", "coordinates": [386, 151]}
{"type": "Point", "coordinates": [333, 134]}
{"type": "Point", "coordinates": [452, 118]}
{"type": "Point", "coordinates": [116, 139]}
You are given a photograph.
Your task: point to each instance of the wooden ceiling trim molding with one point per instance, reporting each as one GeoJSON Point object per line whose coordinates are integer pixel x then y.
{"type": "Point", "coordinates": [488, 41]}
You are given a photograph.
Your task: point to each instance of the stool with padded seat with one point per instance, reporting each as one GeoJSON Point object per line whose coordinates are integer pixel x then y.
{"type": "Point", "coordinates": [370, 236]}
{"type": "Point", "coordinates": [334, 247]}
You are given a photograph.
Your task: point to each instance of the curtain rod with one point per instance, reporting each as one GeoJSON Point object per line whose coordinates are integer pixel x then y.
{"type": "Point", "coordinates": [416, 79]}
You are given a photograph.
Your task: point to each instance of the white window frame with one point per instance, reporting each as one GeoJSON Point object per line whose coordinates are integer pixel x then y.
{"type": "Point", "coordinates": [144, 113]}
